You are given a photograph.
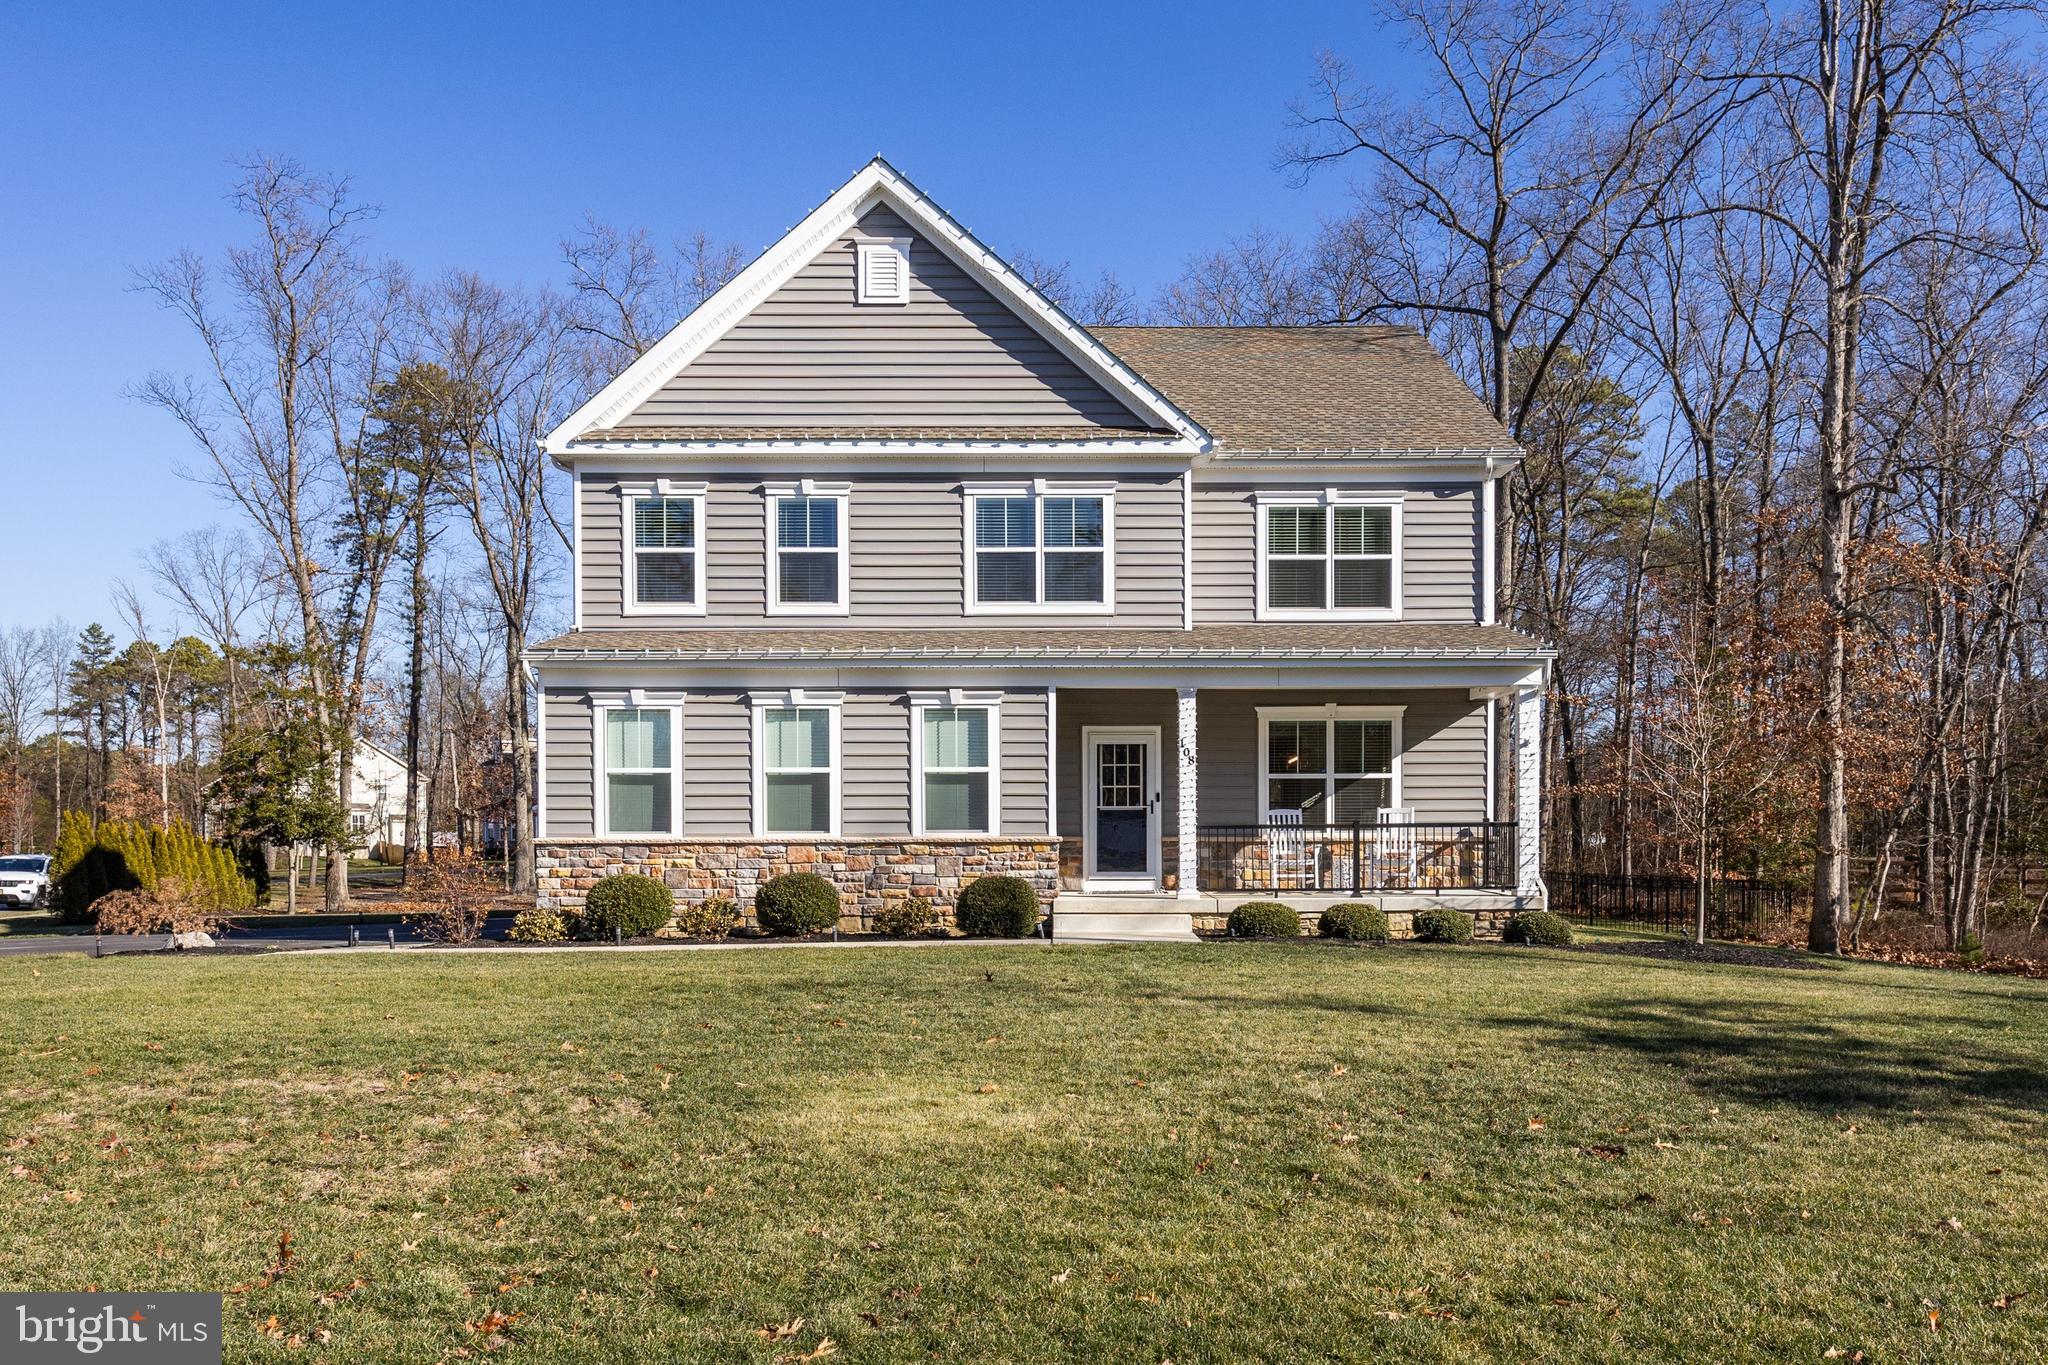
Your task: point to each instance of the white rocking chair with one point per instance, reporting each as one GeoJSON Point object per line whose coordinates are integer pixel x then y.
{"type": "Point", "coordinates": [1287, 851]}
{"type": "Point", "coordinates": [1394, 844]}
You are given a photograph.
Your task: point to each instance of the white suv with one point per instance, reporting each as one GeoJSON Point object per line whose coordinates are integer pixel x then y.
{"type": "Point", "coordinates": [25, 879]}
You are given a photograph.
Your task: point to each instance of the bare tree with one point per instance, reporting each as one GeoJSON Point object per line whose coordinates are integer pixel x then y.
{"type": "Point", "coordinates": [22, 665]}
{"type": "Point", "coordinates": [1106, 303]}
{"type": "Point", "coordinates": [626, 292]}
{"type": "Point", "coordinates": [294, 349]}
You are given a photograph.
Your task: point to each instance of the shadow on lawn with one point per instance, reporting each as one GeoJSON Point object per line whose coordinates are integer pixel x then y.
{"type": "Point", "coordinates": [1774, 1054]}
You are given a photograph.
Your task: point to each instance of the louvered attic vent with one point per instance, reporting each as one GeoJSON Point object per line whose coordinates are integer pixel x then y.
{"type": "Point", "coordinates": [882, 271]}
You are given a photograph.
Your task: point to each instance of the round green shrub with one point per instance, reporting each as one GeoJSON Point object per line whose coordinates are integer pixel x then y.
{"type": "Point", "coordinates": [1355, 920]}
{"type": "Point", "coordinates": [797, 903]}
{"type": "Point", "coordinates": [1443, 926]}
{"type": "Point", "coordinates": [625, 903]}
{"type": "Point", "coordinates": [914, 917]}
{"type": "Point", "coordinates": [1544, 927]}
{"type": "Point", "coordinates": [1264, 919]}
{"type": "Point", "coordinates": [997, 907]}
{"type": "Point", "coordinates": [714, 918]}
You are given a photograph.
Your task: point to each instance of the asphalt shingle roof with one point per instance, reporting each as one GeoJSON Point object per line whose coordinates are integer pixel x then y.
{"type": "Point", "coordinates": [1311, 388]}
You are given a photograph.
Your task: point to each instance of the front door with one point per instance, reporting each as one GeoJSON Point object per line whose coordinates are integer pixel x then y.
{"type": "Point", "coordinates": [1121, 838]}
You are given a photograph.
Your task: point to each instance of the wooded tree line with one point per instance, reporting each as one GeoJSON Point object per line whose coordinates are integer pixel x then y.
{"type": "Point", "coordinates": [1760, 291]}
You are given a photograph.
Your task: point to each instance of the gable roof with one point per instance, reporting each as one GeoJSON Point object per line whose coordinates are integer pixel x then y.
{"type": "Point", "coordinates": [1302, 389]}
{"type": "Point", "coordinates": [606, 416]}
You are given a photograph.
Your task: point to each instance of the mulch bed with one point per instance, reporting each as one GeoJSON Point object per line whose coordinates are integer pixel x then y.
{"type": "Point", "coordinates": [1684, 950]}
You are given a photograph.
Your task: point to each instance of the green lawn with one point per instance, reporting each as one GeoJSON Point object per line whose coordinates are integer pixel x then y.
{"type": "Point", "coordinates": [1199, 1153]}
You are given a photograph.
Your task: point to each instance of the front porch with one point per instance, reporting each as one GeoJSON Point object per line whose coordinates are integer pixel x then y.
{"type": "Point", "coordinates": [1172, 805]}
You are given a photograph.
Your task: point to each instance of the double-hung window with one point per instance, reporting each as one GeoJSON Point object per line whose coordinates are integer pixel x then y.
{"type": "Point", "coordinates": [796, 762]}
{"type": "Point", "coordinates": [1042, 548]}
{"type": "Point", "coordinates": [1333, 555]}
{"type": "Point", "coordinates": [637, 746]}
{"type": "Point", "coordinates": [1334, 765]}
{"type": "Point", "coordinates": [807, 542]}
{"type": "Point", "coordinates": [956, 767]}
{"type": "Point", "coordinates": [664, 524]}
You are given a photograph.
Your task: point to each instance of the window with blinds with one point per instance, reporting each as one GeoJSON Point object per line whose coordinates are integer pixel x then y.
{"type": "Point", "coordinates": [1049, 550]}
{"type": "Point", "coordinates": [957, 777]}
{"type": "Point", "coordinates": [797, 775]}
{"type": "Point", "coordinates": [810, 548]}
{"type": "Point", "coordinates": [665, 534]}
{"type": "Point", "coordinates": [1332, 770]}
{"type": "Point", "coordinates": [1337, 559]}
{"type": "Point", "coordinates": [639, 770]}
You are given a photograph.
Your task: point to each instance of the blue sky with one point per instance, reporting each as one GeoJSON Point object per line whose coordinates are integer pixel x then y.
{"type": "Point", "coordinates": [1120, 137]}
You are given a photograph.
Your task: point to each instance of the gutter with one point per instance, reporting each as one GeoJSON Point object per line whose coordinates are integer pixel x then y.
{"type": "Point", "coordinates": [1115, 657]}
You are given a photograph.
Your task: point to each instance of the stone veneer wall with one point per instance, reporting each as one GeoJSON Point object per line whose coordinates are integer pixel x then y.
{"type": "Point", "coordinates": [869, 873]}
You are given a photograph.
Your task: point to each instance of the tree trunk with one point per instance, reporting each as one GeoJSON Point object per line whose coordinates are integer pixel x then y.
{"type": "Point", "coordinates": [519, 853]}
{"type": "Point", "coordinates": [415, 823]}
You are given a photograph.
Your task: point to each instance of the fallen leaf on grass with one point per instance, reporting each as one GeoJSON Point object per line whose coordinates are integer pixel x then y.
{"type": "Point", "coordinates": [497, 1320]}
{"type": "Point", "coordinates": [780, 1333]}
{"type": "Point", "coordinates": [988, 1088]}
{"type": "Point", "coordinates": [329, 1297]}
{"type": "Point", "coordinates": [1146, 1298]}
{"type": "Point", "coordinates": [825, 1347]}
{"type": "Point", "coordinates": [1606, 1151]}
{"type": "Point", "coordinates": [1535, 1123]}
{"type": "Point", "coordinates": [571, 1047]}
{"type": "Point", "coordinates": [1061, 1278]}
{"type": "Point", "coordinates": [2005, 1301]}
{"type": "Point", "coordinates": [1950, 1225]}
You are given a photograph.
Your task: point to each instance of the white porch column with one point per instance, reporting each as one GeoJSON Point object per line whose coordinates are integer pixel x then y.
{"type": "Point", "coordinates": [1187, 826]}
{"type": "Point", "coordinates": [1529, 793]}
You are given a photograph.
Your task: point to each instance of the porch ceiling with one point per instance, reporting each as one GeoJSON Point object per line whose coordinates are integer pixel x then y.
{"type": "Point", "coordinates": [1373, 642]}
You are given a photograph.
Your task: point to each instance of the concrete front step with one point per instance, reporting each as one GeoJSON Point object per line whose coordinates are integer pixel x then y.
{"type": "Point", "coordinates": [1122, 919]}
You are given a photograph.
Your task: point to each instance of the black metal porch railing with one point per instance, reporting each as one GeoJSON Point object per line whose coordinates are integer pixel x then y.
{"type": "Point", "coordinates": [1358, 858]}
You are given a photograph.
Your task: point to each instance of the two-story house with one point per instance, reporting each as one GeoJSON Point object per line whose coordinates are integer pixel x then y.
{"type": "Point", "coordinates": [887, 569]}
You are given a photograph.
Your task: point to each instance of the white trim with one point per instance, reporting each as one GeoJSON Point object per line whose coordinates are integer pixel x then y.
{"type": "Point", "coordinates": [629, 552]}
{"type": "Point", "coordinates": [1091, 882]}
{"type": "Point", "coordinates": [962, 699]}
{"type": "Point", "coordinates": [813, 489]}
{"type": "Point", "coordinates": [864, 254]}
{"type": "Point", "coordinates": [575, 548]}
{"type": "Point", "coordinates": [1187, 709]}
{"type": "Point", "coordinates": [1329, 712]}
{"type": "Point", "coordinates": [1187, 549]}
{"type": "Point", "coordinates": [540, 755]}
{"type": "Point", "coordinates": [1052, 760]}
{"type": "Point", "coordinates": [601, 802]}
{"type": "Point", "coordinates": [874, 184]}
{"type": "Point", "coordinates": [1037, 490]}
{"type": "Point", "coordinates": [1326, 498]}
{"type": "Point", "coordinates": [1488, 533]}
{"type": "Point", "coordinates": [1488, 708]}
{"type": "Point", "coordinates": [833, 703]}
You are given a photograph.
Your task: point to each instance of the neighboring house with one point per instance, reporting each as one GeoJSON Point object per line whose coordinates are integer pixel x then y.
{"type": "Point", "coordinates": [376, 797]}
{"type": "Point", "coordinates": [887, 569]}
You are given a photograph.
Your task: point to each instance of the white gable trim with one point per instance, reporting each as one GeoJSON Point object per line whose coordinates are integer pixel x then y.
{"type": "Point", "coordinates": [876, 183]}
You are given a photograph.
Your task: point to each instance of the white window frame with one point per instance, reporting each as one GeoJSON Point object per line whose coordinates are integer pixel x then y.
{"type": "Point", "coordinates": [601, 771]}
{"type": "Point", "coordinates": [841, 493]}
{"type": "Point", "coordinates": [833, 703]}
{"type": "Point", "coordinates": [1037, 491]}
{"type": "Point", "coordinates": [957, 699]}
{"type": "Point", "coordinates": [1327, 714]}
{"type": "Point", "coordinates": [1326, 498]}
{"type": "Point", "coordinates": [864, 254]}
{"type": "Point", "coordinates": [630, 588]}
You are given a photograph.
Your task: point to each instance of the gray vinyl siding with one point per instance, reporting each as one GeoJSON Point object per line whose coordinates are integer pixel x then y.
{"type": "Point", "coordinates": [908, 547]}
{"type": "Point", "coordinates": [1440, 549]}
{"type": "Point", "coordinates": [808, 355]}
{"type": "Point", "coordinates": [1083, 708]}
{"type": "Point", "coordinates": [718, 775]}
{"type": "Point", "coordinates": [1443, 750]}
{"type": "Point", "coordinates": [567, 733]}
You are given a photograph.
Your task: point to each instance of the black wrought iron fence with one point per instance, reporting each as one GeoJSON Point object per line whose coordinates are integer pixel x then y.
{"type": "Point", "coordinates": [1736, 907]}
{"type": "Point", "coordinates": [1357, 858]}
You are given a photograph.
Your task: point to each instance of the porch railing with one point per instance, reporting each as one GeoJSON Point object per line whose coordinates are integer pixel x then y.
{"type": "Point", "coordinates": [1358, 858]}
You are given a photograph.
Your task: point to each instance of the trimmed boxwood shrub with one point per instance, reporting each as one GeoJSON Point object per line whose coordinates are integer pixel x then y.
{"type": "Point", "coordinates": [915, 917]}
{"type": "Point", "coordinates": [997, 907]}
{"type": "Point", "coordinates": [1443, 926]}
{"type": "Point", "coordinates": [1545, 927]}
{"type": "Point", "coordinates": [1356, 920]}
{"type": "Point", "coordinates": [627, 903]}
{"type": "Point", "coordinates": [1264, 919]}
{"type": "Point", "coordinates": [797, 903]}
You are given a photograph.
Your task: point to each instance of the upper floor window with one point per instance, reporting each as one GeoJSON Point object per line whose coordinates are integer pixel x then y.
{"type": "Point", "coordinates": [807, 537]}
{"type": "Point", "coordinates": [665, 528]}
{"type": "Point", "coordinates": [1044, 548]}
{"type": "Point", "coordinates": [1329, 554]}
